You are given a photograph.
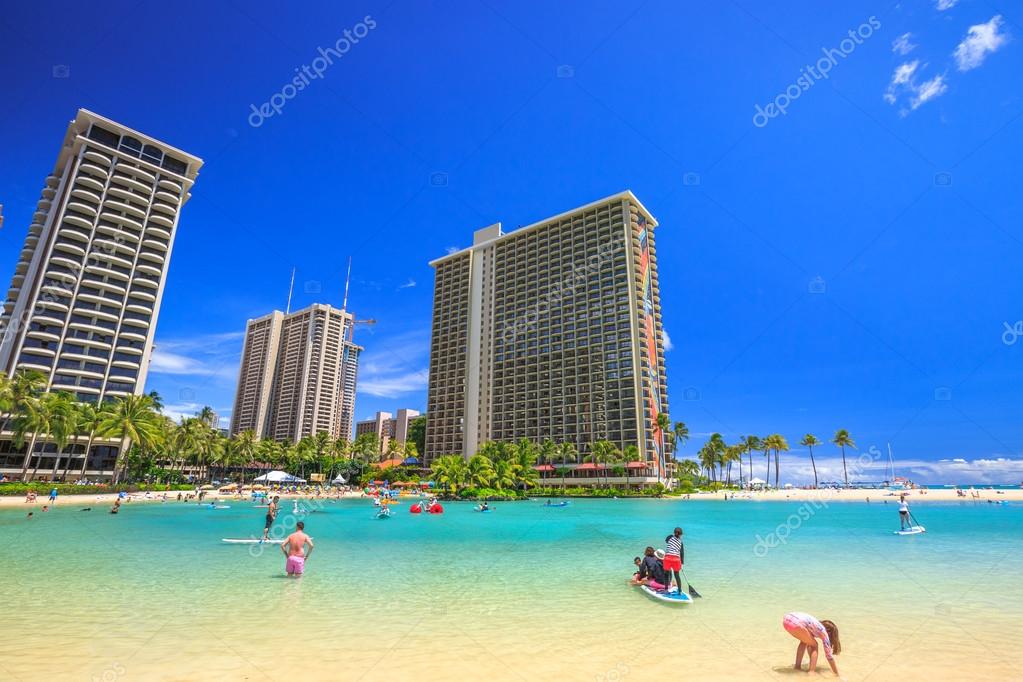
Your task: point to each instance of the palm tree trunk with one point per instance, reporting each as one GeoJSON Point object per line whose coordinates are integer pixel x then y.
{"type": "Point", "coordinates": [844, 470]}
{"type": "Point", "coordinates": [28, 458]}
{"type": "Point", "coordinates": [56, 464]}
{"type": "Point", "coordinates": [88, 447]}
{"type": "Point", "coordinates": [814, 465]}
{"type": "Point", "coordinates": [777, 472]}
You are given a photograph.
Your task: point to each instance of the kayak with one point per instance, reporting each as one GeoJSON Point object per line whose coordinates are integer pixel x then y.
{"type": "Point", "coordinates": [674, 597]}
{"type": "Point", "coordinates": [556, 504]}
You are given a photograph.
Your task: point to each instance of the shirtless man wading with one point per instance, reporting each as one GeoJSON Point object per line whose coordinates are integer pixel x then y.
{"type": "Point", "coordinates": [292, 548]}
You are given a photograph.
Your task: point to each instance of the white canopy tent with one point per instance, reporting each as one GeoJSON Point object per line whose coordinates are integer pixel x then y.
{"type": "Point", "coordinates": [278, 477]}
{"type": "Point", "coordinates": [757, 482]}
{"type": "Point", "coordinates": [339, 480]}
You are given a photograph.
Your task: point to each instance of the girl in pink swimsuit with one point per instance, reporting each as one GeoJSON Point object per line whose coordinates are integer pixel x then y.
{"type": "Point", "coordinates": [808, 630]}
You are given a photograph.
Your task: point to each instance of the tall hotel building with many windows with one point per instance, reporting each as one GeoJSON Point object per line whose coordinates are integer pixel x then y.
{"type": "Point", "coordinates": [297, 375]}
{"type": "Point", "coordinates": [86, 292]}
{"type": "Point", "coordinates": [552, 331]}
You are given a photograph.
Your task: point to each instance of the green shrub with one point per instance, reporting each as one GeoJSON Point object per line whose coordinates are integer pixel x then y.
{"type": "Point", "coordinates": [43, 489]}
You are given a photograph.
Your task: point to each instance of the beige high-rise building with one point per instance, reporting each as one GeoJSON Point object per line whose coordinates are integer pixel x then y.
{"type": "Point", "coordinates": [552, 331]}
{"type": "Point", "coordinates": [86, 291]}
{"type": "Point", "coordinates": [387, 426]}
{"type": "Point", "coordinates": [298, 375]}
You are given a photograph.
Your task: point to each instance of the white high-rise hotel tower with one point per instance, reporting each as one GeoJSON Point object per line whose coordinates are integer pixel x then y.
{"type": "Point", "coordinates": [86, 291]}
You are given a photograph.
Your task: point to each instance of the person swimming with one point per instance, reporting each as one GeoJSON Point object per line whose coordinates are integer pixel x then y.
{"type": "Point", "coordinates": [808, 630]}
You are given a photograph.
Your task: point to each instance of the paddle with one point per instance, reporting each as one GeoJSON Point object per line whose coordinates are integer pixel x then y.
{"type": "Point", "coordinates": [692, 591]}
{"type": "Point", "coordinates": [913, 519]}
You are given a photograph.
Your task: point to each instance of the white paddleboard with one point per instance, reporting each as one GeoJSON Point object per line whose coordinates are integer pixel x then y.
{"type": "Point", "coordinates": [248, 541]}
{"type": "Point", "coordinates": [668, 597]}
{"type": "Point", "coordinates": [913, 530]}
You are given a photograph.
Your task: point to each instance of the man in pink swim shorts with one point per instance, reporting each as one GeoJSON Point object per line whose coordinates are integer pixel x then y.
{"type": "Point", "coordinates": [294, 549]}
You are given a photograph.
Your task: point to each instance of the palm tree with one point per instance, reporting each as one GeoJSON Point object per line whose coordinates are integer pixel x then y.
{"type": "Point", "coordinates": [206, 415]}
{"type": "Point", "coordinates": [733, 453]}
{"type": "Point", "coordinates": [15, 391]}
{"type": "Point", "coordinates": [503, 474]}
{"type": "Point", "coordinates": [449, 471]}
{"type": "Point", "coordinates": [749, 444]}
{"type": "Point", "coordinates": [567, 452]}
{"type": "Point", "coordinates": [89, 418]}
{"type": "Point", "coordinates": [778, 444]}
{"type": "Point", "coordinates": [809, 441]}
{"type": "Point", "coordinates": [681, 437]}
{"type": "Point", "coordinates": [842, 439]}
{"type": "Point", "coordinates": [688, 467]}
{"type": "Point", "coordinates": [132, 419]}
{"type": "Point", "coordinates": [63, 425]}
{"type": "Point", "coordinates": [245, 448]}
{"type": "Point", "coordinates": [32, 418]}
{"type": "Point", "coordinates": [631, 454]}
{"type": "Point", "coordinates": [662, 423]}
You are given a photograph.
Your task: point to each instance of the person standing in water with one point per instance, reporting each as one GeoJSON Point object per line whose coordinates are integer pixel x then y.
{"type": "Point", "coordinates": [271, 514]}
{"type": "Point", "coordinates": [293, 547]}
{"type": "Point", "coordinates": [808, 630]}
{"type": "Point", "coordinates": [904, 520]}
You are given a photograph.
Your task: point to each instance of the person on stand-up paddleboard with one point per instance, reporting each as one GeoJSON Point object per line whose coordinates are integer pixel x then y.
{"type": "Point", "coordinates": [673, 557]}
{"type": "Point", "coordinates": [271, 514]}
{"type": "Point", "coordinates": [904, 520]}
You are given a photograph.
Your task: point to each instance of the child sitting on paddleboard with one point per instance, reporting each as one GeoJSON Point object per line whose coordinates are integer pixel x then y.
{"type": "Point", "coordinates": [651, 570]}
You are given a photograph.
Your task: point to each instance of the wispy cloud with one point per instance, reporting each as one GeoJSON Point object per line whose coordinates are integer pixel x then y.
{"type": "Point", "coordinates": [902, 45]}
{"type": "Point", "coordinates": [928, 90]}
{"type": "Point", "coordinates": [408, 285]}
{"type": "Point", "coordinates": [943, 5]}
{"type": "Point", "coordinates": [205, 355]}
{"type": "Point", "coordinates": [668, 345]}
{"type": "Point", "coordinates": [395, 366]}
{"type": "Point", "coordinates": [980, 41]}
{"type": "Point", "coordinates": [452, 249]}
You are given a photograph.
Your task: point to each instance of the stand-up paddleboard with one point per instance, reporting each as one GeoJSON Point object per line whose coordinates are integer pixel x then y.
{"type": "Point", "coordinates": [912, 530]}
{"type": "Point", "coordinates": [217, 506]}
{"type": "Point", "coordinates": [673, 597]}
{"type": "Point", "coordinates": [248, 541]}
{"type": "Point", "coordinates": [556, 504]}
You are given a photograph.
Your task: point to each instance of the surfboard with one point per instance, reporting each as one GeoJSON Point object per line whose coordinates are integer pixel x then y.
{"type": "Point", "coordinates": [247, 541]}
{"type": "Point", "coordinates": [912, 530]}
{"type": "Point", "coordinates": [667, 597]}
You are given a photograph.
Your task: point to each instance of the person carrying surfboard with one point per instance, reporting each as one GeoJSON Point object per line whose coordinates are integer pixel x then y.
{"type": "Point", "coordinates": [904, 520]}
{"type": "Point", "coordinates": [674, 552]}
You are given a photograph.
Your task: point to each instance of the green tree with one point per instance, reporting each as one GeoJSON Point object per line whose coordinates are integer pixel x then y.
{"type": "Point", "coordinates": [809, 441]}
{"type": "Point", "coordinates": [32, 420]}
{"type": "Point", "coordinates": [843, 440]}
{"type": "Point", "coordinates": [132, 419]}
{"type": "Point", "coordinates": [450, 472]}
{"type": "Point", "coordinates": [750, 444]}
{"type": "Point", "coordinates": [89, 419]}
{"type": "Point", "coordinates": [417, 432]}
{"type": "Point", "coordinates": [62, 427]}
{"type": "Point", "coordinates": [479, 472]}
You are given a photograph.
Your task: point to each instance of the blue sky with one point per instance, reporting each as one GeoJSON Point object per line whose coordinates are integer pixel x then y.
{"type": "Point", "coordinates": [850, 263]}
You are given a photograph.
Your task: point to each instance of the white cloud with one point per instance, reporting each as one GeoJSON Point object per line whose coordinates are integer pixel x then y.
{"type": "Point", "coordinates": [408, 285]}
{"type": "Point", "coordinates": [864, 467]}
{"type": "Point", "coordinates": [206, 355]}
{"type": "Point", "coordinates": [928, 90]}
{"type": "Point", "coordinates": [668, 345]}
{"type": "Point", "coordinates": [902, 44]}
{"type": "Point", "coordinates": [395, 366]}
{"type": "Point", "coordinates": [980, 40]}
{"type": "Point", "coordinates": [904, 81]}
{"type": "Point", "coordinates": [943, 5]}
{"type": "Point", "coordinates": [452, 249]}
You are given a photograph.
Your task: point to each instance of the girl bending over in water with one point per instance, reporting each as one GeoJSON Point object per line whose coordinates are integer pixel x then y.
{"type": "Point", "coordinates": [808, 630]}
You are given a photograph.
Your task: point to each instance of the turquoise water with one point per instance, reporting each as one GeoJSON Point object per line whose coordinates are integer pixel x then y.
{"type": "Point", "coordinates": [524, 592]}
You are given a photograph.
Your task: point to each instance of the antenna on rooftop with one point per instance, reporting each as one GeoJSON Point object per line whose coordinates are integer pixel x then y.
{"type": "Point", "coordinates": [291, 290]}
{"type": "Point", "coordinates": [348, 277]}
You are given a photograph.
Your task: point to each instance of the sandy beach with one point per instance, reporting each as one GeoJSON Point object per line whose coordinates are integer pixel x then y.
{"type": "Point", "coordinates": [918, 495]}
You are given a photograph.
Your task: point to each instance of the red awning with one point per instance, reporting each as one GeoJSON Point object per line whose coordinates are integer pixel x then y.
{"type": "Point", "coordinates": [589, 466]}
{"type": "Point", "coordinates": [544, 467]}
{"type": "Point", "coordinates": [639, 465]}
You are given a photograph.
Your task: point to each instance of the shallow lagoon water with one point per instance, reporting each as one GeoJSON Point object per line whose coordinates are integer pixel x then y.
{"type": "Point", "coordinates": [525, 592]}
